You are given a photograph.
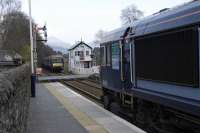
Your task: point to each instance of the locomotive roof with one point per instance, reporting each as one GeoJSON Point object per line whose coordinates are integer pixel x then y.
{"type": "Point", "coordinates": [166, 19]}
{"type": "Point", "coordinates": [113, 35]}
{"type": "Point", "coordinates": [54, 56]}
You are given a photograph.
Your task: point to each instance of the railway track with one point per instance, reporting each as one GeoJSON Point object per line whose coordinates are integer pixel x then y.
{"type": "Point", "coordinates": [86, 87]}
{"type": "Point", "coordinates": [49, 73]}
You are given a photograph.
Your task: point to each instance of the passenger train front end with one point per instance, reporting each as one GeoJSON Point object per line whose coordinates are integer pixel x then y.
{"type": "Point", "coordinates": [152, 69]}
{"type": "Point", "coordinates": [57, 64]}
{"type": "Point", "coordinates": [54, 63]}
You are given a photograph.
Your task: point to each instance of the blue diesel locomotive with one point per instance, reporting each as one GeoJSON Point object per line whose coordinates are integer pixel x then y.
{"type": "Point", "coordinates": [151, 69]}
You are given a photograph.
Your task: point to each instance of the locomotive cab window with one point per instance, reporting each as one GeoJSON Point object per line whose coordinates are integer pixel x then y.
{"type": "Point", "coordinates": [103, 56]}
{"type": "Point", "coordinates": [58, 60]}
{"type": "Point", "coordinates": [115, 56]}
{"type": "Point", "coordinates": [170, 57]}
{"type": "Point", "coordinates": [108, 55]}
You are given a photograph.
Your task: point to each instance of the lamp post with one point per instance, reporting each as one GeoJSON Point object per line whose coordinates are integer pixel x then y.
{"type": "Point", "coordinates": [33, 75]}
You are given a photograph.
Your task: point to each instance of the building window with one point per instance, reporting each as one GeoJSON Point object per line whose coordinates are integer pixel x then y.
{"type": "Point", "coordinates": [79, 53]}
{"type": "Point", "coordinates": [87, 53]}
{"type": "Point", "coordinates": [86, 65]}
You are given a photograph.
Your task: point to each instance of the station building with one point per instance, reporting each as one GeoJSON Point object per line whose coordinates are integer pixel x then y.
{"type": "Point", "coordinates": [80, 60]}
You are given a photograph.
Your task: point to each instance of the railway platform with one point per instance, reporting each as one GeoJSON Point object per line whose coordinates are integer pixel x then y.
{"type": "Point", "coordinates": [58, 109]}
{"type": "Point", "coordinates": [58, 78]}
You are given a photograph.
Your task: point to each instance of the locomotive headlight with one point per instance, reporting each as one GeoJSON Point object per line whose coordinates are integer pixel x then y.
{"type": "Point", "coordinates": [57, 64]}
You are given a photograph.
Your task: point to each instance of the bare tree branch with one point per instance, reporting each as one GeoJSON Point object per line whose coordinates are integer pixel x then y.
{"type": "Point", "coordinates": [8, 6]}
{"type": "Point", "coordinates": [130, 14]}
{"type": "Point", "coordinates": [99, 36]}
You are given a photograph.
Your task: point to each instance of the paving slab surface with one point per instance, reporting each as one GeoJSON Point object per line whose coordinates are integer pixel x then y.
{"type": "Point", "coordinates": [93, 117]}
{"type": "Point", "coordinates": [58, 109]}
{"type": "Point", "coordinates": [47, 115]}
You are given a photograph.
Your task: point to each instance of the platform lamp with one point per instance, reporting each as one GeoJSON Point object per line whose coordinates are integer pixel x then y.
{"type": "Point", "coordinates": [33, 74]}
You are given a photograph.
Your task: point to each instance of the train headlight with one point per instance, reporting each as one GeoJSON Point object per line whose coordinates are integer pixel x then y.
{"type": "Point", "coordinates": [57, 64]}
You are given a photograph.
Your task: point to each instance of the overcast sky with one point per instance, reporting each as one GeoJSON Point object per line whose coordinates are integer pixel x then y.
{"type": "Point", "coordinates": [69, 20]}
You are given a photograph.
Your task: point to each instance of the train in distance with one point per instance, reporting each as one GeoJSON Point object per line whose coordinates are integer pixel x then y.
{"type": "Point", "coordinates": [54, 63]}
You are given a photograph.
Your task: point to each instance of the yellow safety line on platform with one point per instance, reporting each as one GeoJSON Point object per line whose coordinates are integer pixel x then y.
{"type": "Point", "coordinates": [88, 123]}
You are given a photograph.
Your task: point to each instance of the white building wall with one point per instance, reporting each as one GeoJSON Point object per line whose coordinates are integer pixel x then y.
{"type": "Point", "coordinates": [76, 64]}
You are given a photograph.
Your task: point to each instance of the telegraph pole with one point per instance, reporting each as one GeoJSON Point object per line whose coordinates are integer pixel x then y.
{"type": "Point", "coordinates": [33, 41]}
{"type": "Point", "coordinates": [31, 37]}
{"type": "Point", "coordinates": [33, 75]}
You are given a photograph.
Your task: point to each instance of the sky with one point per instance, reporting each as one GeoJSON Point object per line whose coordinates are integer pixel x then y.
{"type": "Point", "coordinates": [71, 20]}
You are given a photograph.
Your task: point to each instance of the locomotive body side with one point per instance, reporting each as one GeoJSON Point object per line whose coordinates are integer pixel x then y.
{"type": "Point", "coordinates": [153, 66]}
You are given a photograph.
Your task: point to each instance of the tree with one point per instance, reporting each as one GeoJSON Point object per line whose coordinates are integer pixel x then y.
{"type": "Point", "coordinates": [130, 14]}
{"type": "Point", "coordinates": [98, 38]}
{"type": "Point", "coordinates": [16, 37]}
{"type": "Point", "coordinates": [8, 6]}
{"type": "Point", "coordinates": [25, 52]}
{"type": "Point", "coordinates": [43, 51]}
{"type": "Point", "coordinates": [96, 44]}
{"type": "Point", "coordinates": [15, 32]}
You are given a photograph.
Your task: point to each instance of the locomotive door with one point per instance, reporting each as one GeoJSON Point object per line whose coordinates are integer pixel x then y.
{"type": "Point", "coordinates": [126, 65]}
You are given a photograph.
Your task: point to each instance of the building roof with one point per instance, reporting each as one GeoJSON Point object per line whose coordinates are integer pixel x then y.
{"type": "Point", "coordinates": [6, 55]}
{"type": "Point", "coordinates": [79, 43]}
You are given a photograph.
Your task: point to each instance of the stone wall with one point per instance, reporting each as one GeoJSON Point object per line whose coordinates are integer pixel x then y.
{"type": "Point", "coordinates": [14, 99]}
